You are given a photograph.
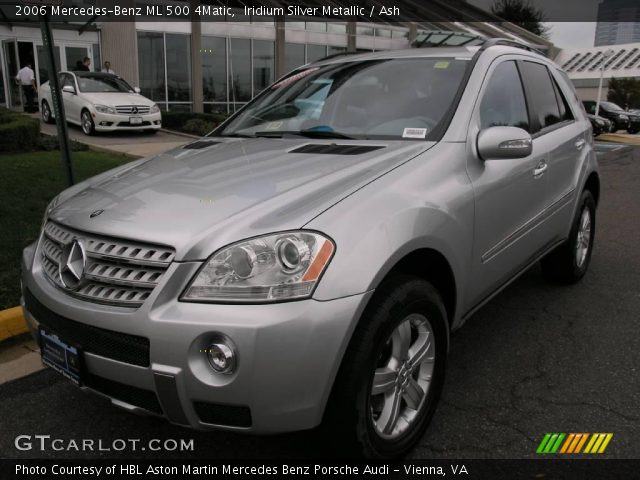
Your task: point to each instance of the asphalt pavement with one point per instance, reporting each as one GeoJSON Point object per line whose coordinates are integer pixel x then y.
{"type": "Point", "coordinates": [539, 358]}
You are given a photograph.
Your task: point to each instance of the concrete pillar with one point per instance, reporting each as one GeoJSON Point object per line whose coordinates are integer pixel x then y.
{"type": "Point", "coordinates": [413, 32]}
{"type": "Point", "coordinates": [280, 50]}
{"type": "Point", "coordinates": [196, 59]}
{"type": "Point", "coordinates": [116, 38]}
{"type": "Point", "coordinates": [351, 36]}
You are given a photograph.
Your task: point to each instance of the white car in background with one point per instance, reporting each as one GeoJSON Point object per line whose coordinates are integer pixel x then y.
{"type": "Point", "coordinates": [101, 102]}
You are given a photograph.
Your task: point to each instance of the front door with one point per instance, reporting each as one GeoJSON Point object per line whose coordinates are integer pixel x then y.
{"type": "Point", "coordinates": [510, 194]}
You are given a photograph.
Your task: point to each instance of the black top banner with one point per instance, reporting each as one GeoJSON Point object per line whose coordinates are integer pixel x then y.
{"type": "Point", "coordinates": [375, 11]}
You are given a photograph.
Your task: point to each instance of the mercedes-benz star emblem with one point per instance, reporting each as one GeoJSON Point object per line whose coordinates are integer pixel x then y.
{"type": "Point", "coordinates": [134, 109]}
{"type": "Point", "coordinates": [72, 263]}
{"type": "Point", "coordinates": [96, 213]}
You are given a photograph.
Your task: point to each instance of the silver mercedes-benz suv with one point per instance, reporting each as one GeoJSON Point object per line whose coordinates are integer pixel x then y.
{"type": "Point", "coordinates": [305, 263]}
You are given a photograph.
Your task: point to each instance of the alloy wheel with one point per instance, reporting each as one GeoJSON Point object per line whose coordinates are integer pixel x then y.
{"type": "Point", "coordinates": [583, 240]}
{"type": "Point", "coordinates": [87, 123]}
{"type": "Point", "coordinates": [402, 377]}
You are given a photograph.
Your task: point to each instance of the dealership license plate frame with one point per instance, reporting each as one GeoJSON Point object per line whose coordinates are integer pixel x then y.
{"type": "Point", "coordinates": [61, 355]}
{"type": "Point", "coordinates": [135, 120]}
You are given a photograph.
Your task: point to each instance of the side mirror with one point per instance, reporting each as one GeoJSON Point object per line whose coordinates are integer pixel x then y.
{"type": "Point", "coordinates": [504, 142]}
{"type": "Point", "coordinates": [69, 89]}
{"type": "Point", "coordinates": [136, 89]}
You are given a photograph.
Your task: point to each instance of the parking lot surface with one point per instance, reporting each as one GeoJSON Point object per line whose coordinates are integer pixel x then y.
{"type": "Point", "coordinates": [138, 144]}
{"type": "Point", "coordinates": [539, 358]}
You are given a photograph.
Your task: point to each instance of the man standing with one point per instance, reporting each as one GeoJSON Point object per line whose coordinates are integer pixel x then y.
{"type": "Point", "coordinates": [107, 68]}
{"type": "Point", "coordinates": [85, 65]}
{"type": "Point", "coordinates": [27, 80]}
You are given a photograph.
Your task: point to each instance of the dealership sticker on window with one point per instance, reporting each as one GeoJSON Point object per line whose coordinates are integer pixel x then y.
{"type": "Point", "coordinates": [414, 133]}
{"type": "Point", "coordinates": [294, 78]}
{"type": "Point", "coordinates": [441, 65]}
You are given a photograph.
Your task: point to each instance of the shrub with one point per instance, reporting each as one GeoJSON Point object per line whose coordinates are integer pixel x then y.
{"type": "Point", "coordinates": [48, 143]}
{"type": "Point", "coordinates": [18, 132]}
{"type": "Point", "coordinates": [197, 126]}
{"type": "Point", "coordinates": [186, 121]}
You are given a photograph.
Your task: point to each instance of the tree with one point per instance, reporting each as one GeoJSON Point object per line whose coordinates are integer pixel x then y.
{"type": "Point", "coordinates": [624, 92]}
{"type": "Point", "coordinates": [523, 14]}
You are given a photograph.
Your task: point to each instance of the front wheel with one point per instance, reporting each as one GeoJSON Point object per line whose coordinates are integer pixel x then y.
{"type": "Point", "coordinates": [88, 127]}
{"type": "Point", "coordinates": [392, 373]}
{"type": "Point", "coordinates": [46, 112]}
{"type": "Point", "coordinates": [569, 262]}
{"type": "Point", "coordinates": [633, 130]}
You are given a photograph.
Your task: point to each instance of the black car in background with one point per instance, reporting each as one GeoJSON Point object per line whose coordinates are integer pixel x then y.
{"type": "Point", "coordinates": [600, 124]}
{"type": "Point", "coordinates": [622, 120]}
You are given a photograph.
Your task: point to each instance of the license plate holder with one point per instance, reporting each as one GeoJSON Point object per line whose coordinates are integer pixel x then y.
{"type": "Point", "coordinates": [135, 120]}
{"type": "Point", "coordinates": [60, 355]}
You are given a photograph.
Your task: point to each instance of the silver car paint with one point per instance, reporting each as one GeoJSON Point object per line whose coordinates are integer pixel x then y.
{"type": "Point", "coordinates": [377, 208]}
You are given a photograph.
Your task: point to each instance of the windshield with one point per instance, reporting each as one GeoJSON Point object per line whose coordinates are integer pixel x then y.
{"type": "Point", "coordinates": [103, 84]}
{"type": "Point", "coordinates": [387, 98]}
{"type": "Point", "coordinates": [611, 106]}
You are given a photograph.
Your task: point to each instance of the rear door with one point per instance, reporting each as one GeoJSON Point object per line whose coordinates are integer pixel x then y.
{"type": "Point", "coordinates": [563, 135]}
{"type": "Point", "coordinates": [510, 194]}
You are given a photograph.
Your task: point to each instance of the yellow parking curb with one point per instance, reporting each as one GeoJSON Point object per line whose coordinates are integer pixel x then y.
{"type": "Point", "coordinates": [12, 323]}
{"type": "Point", "coordinates": [620, 138]}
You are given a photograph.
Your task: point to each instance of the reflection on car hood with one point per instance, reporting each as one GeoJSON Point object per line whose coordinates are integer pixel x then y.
{"type": "Point", "coordinates": [113, 99]}
{"type": "Point", "coordinates": [197, 200]}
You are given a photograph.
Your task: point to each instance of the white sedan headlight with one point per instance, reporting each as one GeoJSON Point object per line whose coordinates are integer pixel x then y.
{"type": "Point", "coordinates": [154, 108]}
{"type": "Point", "coordinates": [281, 266]}
{"type": "Point", "coordinates": [105, 109]}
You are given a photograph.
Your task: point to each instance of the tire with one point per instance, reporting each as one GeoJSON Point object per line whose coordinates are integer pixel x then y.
{"type": "Point", "coordinates": [355, 418]}
{"type": "Point", "coordinates": [633, 130]}
{"type": "Point", "coordinates": [569, 262]}
{"type": "Point", "coordinates": [86, 123]}
{"type": "Point", "coordinates": [46, 112]}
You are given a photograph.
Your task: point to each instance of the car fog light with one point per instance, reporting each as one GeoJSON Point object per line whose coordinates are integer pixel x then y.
{"type": "Point", "coordinates": [222, 357]}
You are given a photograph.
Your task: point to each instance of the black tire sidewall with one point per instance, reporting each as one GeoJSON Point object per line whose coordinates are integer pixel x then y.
{"type": "Point", "coordinates": [586, 201]}
{"type": "Point", "coordinates": [394, 302]}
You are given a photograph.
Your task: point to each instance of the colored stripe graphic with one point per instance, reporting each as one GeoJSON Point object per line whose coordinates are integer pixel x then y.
{"type": "Point", "coordinates": [572, 443]}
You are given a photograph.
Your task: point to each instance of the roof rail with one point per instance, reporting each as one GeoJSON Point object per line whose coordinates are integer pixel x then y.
{"type": "Point", "coordinates": [492, 42]}
{"type": "Point", "coordinates": [334, 55]}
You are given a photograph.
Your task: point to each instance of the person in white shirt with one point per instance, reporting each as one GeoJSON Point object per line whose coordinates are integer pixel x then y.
{"type": "Point", "coordinates": [107, 68]}
{"type": "Point", "coordinates": [27, 80]}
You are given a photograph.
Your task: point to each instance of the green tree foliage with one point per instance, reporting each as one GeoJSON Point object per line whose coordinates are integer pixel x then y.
{"type": "Point", "coordinates": [624, 92]}
{"type": "Point", "coordinates": [523, 14]}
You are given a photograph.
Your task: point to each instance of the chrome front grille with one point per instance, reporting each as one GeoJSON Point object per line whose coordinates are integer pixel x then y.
{"type": "Point", "coordinates": [117, 272]}
{"type": "Point", "coordinates": [133, 109]}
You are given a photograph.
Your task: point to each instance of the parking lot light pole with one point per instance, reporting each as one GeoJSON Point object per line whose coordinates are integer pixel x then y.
{"type": "Point", "coordinates": [605, 55]}
{"type": "Point", "coordinates": [56, 98]}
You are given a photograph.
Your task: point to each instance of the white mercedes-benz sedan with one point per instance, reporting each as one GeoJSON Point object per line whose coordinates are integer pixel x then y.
{"type": "Point", "coordinates": [101, 102]}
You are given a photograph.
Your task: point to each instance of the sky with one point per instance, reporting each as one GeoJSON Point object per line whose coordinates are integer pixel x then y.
{"type": "Point", "coordinates": [572, 34]}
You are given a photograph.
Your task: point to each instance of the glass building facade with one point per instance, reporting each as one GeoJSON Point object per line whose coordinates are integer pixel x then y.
{"type": "Point", "coordinates": [238, 58]}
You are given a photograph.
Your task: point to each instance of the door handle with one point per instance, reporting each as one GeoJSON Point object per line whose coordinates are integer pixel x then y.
{"type": "Point", "coordinates": [540, 169]}
{"type": "Point", "coordinates": [579, 144]}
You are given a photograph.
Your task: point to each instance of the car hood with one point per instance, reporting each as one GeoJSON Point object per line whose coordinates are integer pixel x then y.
{"type": "Point", "coordinates": [113, 99]}
{"type": "Point", "coordinates": [198, 200]}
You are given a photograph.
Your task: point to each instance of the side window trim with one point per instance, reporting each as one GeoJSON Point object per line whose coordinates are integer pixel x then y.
{"type": "Point", "coordinates": [533, 123]}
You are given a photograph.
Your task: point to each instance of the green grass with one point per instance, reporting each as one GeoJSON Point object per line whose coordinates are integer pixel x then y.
{"type": "Point", "coordinates": [28, 182]}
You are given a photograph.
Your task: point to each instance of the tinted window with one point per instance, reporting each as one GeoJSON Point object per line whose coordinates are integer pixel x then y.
{"type": "Point", "coordinates": [503, 103]}
{"type": "Point", "coordinates": [542, 93]}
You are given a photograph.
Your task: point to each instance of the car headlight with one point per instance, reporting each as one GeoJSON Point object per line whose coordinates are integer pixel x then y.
{"type": "Point", "coordinates": [281, 266]}
{"type": "Point", "coordinates": [623, 117]}
{"type": "Point", "coordinates": [104, 109]}
{"type": "Point", "coordinates": [154, 108]}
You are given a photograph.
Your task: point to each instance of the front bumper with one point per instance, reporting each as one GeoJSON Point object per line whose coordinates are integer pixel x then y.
{"type": "Point", "coordinates": [106, 122]}
{"type": "Point", "coordinates": [288, 353]}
